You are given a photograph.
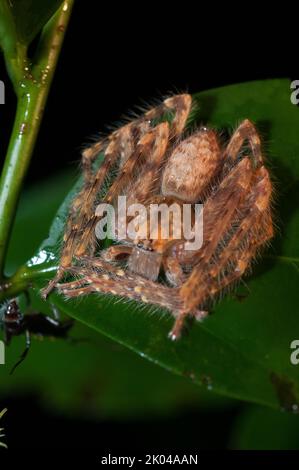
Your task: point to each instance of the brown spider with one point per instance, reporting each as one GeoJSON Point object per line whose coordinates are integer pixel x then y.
{"type": "Point", "coordinates": [156, 163]}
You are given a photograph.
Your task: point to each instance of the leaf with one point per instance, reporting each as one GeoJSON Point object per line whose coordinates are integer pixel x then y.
{"type": "Point", "coordinates": [85, 380]}
{"type": "Point", "coordinates": [22, 20]}
{"type": "Point", "coordinates": [8, 34]}
{"type": "Point", "coordinates": [264, 429]}
{"type": "Point", "coordinates": [37, 208]}
{"type": "Point", "coordinates": [93, 371]}
{"type": "Point", "coordinates": [243, 349]}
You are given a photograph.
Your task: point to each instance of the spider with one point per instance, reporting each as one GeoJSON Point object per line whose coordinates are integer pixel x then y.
{"type": "Point", "coordinates": [155, 160]}
{"type": "Point", "coordinates": [14, 323]}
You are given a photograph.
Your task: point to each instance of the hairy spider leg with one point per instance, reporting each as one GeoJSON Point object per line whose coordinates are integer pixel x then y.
{"type": "Point", "coordinates": [245, 132]}
{"type": "Point", "coordinates": [132, 287]}
{"type": "Point", "coordinates": [71, 235]}
{"type": "Point", "coordinates": [83, 208]}
{"type": "Point", "coordinates": [204, 280]}
{"type": "Point", "coordinates": [147, 146]}
{"type": "Point", "coordinates": [152, 146]}
{"type": "Point", "coordinates": [107, 280]}
{"type": "Point", "coordinates": [121, 142]}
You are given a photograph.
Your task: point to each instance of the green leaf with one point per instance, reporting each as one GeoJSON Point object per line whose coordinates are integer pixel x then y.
{"type": "Point", "coordinates": [8, 33]}
{"type": "Point", "coordinates": [264, 429]}
{"type": "Point", "coordinates": [93, 384]}
{"type": "Point", "coordinates": [22, 20]}
{"type": "Point", "coordinates": [37, 207]}
{"type": "Point", "coordinates": [243, 350]}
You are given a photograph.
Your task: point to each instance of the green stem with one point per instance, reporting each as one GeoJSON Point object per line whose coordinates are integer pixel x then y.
{"type": "Point", "coordinates": [23, 279]}
{"type": "Point", "coordinates": [15, 64]}
{"type": "Point", "coordinates": [32, 93]}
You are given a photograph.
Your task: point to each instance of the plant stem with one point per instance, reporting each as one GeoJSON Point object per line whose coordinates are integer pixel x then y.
{"type": "Point", "coordinates": [23, 279]}
{"type": "Point", "coordinates": [32, 92]}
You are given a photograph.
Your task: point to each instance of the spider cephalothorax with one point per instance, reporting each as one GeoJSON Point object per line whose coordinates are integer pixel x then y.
{"type": "Point", "coordinates": [155, 162]}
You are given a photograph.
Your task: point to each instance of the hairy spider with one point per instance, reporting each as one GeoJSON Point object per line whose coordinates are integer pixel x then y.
{"type": "Point", "coordinates": [155, 161]}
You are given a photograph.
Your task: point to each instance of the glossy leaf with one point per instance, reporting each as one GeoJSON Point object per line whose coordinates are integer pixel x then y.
{"type": "Point", "coordinates": [243, 349]}
{"type": "Point", "coordinates": [21, 20]}
{"type": "Point", "coordinates": [8, 33]}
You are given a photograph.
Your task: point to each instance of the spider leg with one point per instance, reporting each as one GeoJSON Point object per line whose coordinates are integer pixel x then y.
{"type": "Point", "coordinates": [101, 264]}
{"type": "Point", "coordinates": [248, 196]}
{"type": "Point", "coordinates": [71, 285]}
{"type": "Point", "coordinates": [173, 271]}
{"type": "Point", "coordinates": [222, 276]}
{"type": "Point", "coordinates": [220, 208]}
{"type": "Point", "coordinates": [145, 147]}
{"type": "Point", "coordinates": [24, 353]}
{"type": "Point", "coordinates": [149, 176]}
{"type": "Point", "coordinates": [89, 155]}
{"type": "Point", "coordinates": [218, 212]}
{"type": "Point", "coordinates": [255, 227]}
{"type": "Point", "coordinates": [116, 252]}
{"type": "Point", "coordinates": [176, 331]}
{"type": "Point", "coordinates": [152, 144]}
{"type": "Point", "coordinates": [122, 284]}
{"type": "Point", "coordinates": [130, 132]}
{"type": "Point", "coordinates": [210, 286]}
{"type": "Point", "coordinates": [222, 205]}
{"type": "Point", "coordinates": [180, 105]}
{"type": "Point", "coordinates": [82, 210]}
{"type": "Point", "coordinates": [122, 143]}
{"type": "Point", "coordinates": [245, 132]}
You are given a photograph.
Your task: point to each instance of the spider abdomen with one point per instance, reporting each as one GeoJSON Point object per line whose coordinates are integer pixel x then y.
{"type": "Point", "coordinates": [191, 166]}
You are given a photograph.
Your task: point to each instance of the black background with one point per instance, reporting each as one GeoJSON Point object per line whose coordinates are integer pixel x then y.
{"type": "Point", "coordinates": [116, 56]}
{"type": "Point", "coordinates": [113, 57]}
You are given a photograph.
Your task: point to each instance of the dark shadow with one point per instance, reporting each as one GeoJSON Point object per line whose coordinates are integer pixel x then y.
{"type": "Point", "coordinates": [28, 425]}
